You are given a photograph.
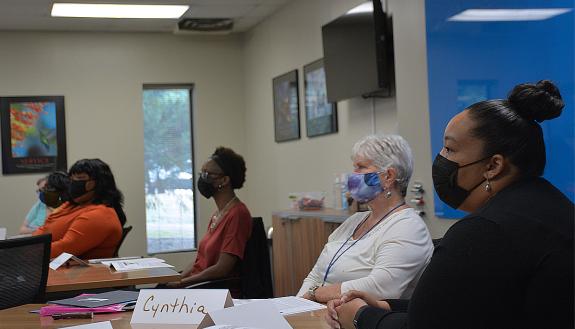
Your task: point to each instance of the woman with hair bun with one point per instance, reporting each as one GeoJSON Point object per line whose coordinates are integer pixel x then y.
{"type": "Point", "coordinates": [509, 263]}
{"type": "Point", "coordinates": [222, 248]}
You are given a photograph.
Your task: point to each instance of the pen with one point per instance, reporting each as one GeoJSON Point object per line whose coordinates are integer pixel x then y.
{"type": "Point", "coordinates": [81, 315]}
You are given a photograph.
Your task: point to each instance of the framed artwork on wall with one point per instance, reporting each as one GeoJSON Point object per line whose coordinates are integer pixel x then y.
{"type": "Point", "coordinates": [320, 115]}
{"type": "Point", "coordinates": [286, 107]}
{"type": "Point", "coordinates": [33, 134]}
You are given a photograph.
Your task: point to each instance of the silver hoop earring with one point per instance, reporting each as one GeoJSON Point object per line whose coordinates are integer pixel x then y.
{"type": "Point", "coordinates": [388, 194]}
{"type": "Point", "coordinates": [487, 186]}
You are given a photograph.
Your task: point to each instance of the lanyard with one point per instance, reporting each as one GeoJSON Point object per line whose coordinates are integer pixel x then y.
{"type": "Point", "coordinates": [337, 255]}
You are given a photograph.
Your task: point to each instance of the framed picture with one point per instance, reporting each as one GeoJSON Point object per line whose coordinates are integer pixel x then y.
{"type": "Point", "coordinates": [286, 107]}
{"type": "Point", "coordinates": [320, 115]}
{"type": "Point", "coordinates": [33, 134]}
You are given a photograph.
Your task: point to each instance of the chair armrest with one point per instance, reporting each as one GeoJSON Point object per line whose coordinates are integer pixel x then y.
{"type": "Point", "coordinates": [225, 283]}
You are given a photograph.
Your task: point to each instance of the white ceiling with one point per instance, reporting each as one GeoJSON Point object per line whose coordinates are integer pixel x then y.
{"type": "Point", "coordinates": [34, 15]}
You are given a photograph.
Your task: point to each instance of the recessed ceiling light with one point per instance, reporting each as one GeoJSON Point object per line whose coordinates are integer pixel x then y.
{"type": "Point", "coordinates": [496, 15]}
{"type": "Point", "coordinates": [366, 7]}
{"type": "Point", "coordinates": [117, 10]}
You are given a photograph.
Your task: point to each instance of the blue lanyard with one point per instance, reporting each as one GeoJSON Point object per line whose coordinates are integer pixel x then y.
{"type": "Point", "coordinates": [337, 255]}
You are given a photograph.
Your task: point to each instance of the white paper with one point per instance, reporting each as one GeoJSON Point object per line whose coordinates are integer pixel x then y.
{"type": "Point", "coordinates": [63, 258]}
{"type": "Point", "coordinates": [2, 233]}
{"type": "Point", "coordinates": [287, 305]}
{"type": "Point", "coordinates": [58, 261]}
{"type": "Point", "coordinates": [260, 314]}
{"type": "Point", "coordinates": [238, 302]}
{"type": "Point", "coordinates": [97, 325]}
{"type": "Point", "coordinates": [136, 264]}
{"type": "Point", "coordinates": [109, 260]}
{"type": "Point", "coordinates": [292, 305]}
{"type": "Point", "coordinates": [166, 306]}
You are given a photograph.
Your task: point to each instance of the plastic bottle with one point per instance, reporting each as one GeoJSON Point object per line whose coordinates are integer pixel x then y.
{"type": "Point", "coordinates": [337, 193]}
{"type": "Point", "coordinates": [343, 187]}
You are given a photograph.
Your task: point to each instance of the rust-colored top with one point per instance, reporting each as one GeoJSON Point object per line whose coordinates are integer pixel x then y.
{"type": "Point", "coordinates": [86, 231]}
{"type": "Point", "coordinates": [230, 236]}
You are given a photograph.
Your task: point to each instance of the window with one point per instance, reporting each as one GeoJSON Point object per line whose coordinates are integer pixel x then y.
{"type": "Point", "coordinates": [168, 158]}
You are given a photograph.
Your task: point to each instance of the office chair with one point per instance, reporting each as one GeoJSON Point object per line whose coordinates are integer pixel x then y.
{"type": "Point", "coordinates": [125, 231]}
{"type": "Point", "coordinates": [256, 279]}
{"type": "Point", "coordinates": [24, 270]}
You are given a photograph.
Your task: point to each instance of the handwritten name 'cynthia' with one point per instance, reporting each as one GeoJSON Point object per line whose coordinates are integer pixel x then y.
{"type": "Point", "coordinates": [175, 307]}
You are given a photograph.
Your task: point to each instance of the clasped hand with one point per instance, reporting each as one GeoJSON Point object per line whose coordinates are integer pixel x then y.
{"type": "Point", "coordinates": [341, 312]}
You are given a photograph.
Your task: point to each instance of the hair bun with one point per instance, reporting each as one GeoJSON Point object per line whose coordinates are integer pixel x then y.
{"type": "Point", "coordinates": [539, 102]}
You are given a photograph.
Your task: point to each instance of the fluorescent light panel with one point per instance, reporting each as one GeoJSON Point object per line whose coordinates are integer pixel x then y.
{"type": "Point", "coordinates": [366, 7]}
{"type": "Point", "coordinates": [496, 15]}
{"type": "Point", "coordinates": [117, 10]}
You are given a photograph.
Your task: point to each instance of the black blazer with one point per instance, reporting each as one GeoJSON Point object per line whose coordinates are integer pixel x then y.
{"type": "Point", "coordinates": [508, 265]}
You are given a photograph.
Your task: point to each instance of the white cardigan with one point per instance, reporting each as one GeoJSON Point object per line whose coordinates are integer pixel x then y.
{"type": "Point", "coordinates": [387, 262]}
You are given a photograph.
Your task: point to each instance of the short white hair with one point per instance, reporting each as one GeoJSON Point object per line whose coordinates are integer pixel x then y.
{"type": "Point", "coordinates": [387, 151]}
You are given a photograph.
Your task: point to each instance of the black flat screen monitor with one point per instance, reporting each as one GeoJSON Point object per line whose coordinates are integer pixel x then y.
{"type": "Point", "coordinates": [358, 53]}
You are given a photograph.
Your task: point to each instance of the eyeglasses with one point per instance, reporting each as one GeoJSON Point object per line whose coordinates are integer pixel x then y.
{"type": "Point", "coordinates": [46, 189]}
{"type": "Point", "coordinates": [206, 174]}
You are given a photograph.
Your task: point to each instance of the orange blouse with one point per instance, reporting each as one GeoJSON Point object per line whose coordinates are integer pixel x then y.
{"type": "Point", "coordinates": [86, 231]}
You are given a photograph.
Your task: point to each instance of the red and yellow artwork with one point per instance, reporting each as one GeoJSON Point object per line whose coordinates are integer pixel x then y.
{"type": "Point", "coordinates": [33, 129]}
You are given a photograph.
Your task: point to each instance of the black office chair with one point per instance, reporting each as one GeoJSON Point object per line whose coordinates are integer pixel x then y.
{"type": "Point", "coordinates": [24, 270]}
{"type": "Point", "coordinates": [256, 279]}
{"type": "Point", "coordinates": [125, 231]}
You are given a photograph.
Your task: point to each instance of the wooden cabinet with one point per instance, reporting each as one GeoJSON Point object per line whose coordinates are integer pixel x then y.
{"type": "Point", "coordinates": [298, 239]}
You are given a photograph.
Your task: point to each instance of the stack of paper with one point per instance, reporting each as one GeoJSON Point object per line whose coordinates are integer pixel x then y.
{"type": "Point", "coordinates": [255, 315]}
{"type": "Point", "coordinates": [287, 305]}
{"type": "Point", "coordinates": [98, 300]}
{"type": "Point", "coordinates": [136, 264]}
{"type": "Point", "coordinates": [102, 260]}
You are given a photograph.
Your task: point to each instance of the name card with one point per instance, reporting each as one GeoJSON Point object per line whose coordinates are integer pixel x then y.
{"type": "Point", "coordinates": [260, 314]}
{"type": "Point", "coordinates": [63, 258]}
{"type": "Point", "coordinates": [178, 306]}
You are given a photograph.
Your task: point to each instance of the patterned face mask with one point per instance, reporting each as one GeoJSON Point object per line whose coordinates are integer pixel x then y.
{"type": "Point", "coordinates": [364, 187]}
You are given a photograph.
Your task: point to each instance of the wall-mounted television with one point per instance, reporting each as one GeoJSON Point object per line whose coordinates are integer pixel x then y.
{"type": "Point", "coordinates": [358, 53]}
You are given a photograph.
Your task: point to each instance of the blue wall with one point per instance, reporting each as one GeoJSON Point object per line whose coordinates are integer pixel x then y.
{"type": "Point", "coordinates": [473, 61]}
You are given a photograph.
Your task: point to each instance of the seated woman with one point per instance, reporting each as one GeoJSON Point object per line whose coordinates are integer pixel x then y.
{"type": "Point", "coordinates": [36, 216]}
{"type": "Point", "coordinates": [509, 263]}
{"type": "Point", "coordinates": [52, 192]}
{"type": "Point", "coordinates": [222, 248]}
{"type": "Point", "coordinates": [384, 250]}
{"type": "Point", "coordinates": [55, 191]}
{"type": "Point", "coordinates": [90, 224]}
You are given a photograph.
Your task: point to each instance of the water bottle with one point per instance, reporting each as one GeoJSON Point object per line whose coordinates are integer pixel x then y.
{"type": "Point", "coordinates": [337, 193]}
{"type": "Point", "coordinates": [343, 187]}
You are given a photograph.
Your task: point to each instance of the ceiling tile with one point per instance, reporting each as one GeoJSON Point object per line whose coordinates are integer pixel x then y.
{"type": "Point", "coordinates": [35, 15]}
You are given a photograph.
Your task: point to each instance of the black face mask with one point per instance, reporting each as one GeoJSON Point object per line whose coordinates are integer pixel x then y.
{"type": "Point", "coordinates": [206, 188]}
{"type": "Point", "coordinates": [52, 199]}
{"type": "Point", "coordinates": [77, 188]}
{"type": "Point", "coordinates": [444, 173]}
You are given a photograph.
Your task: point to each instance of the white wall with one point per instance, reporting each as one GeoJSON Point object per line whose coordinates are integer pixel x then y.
{"type": "Point", "coordinates": [101, 77]}
{"type": "Point", "coordinates": [291, 39]}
